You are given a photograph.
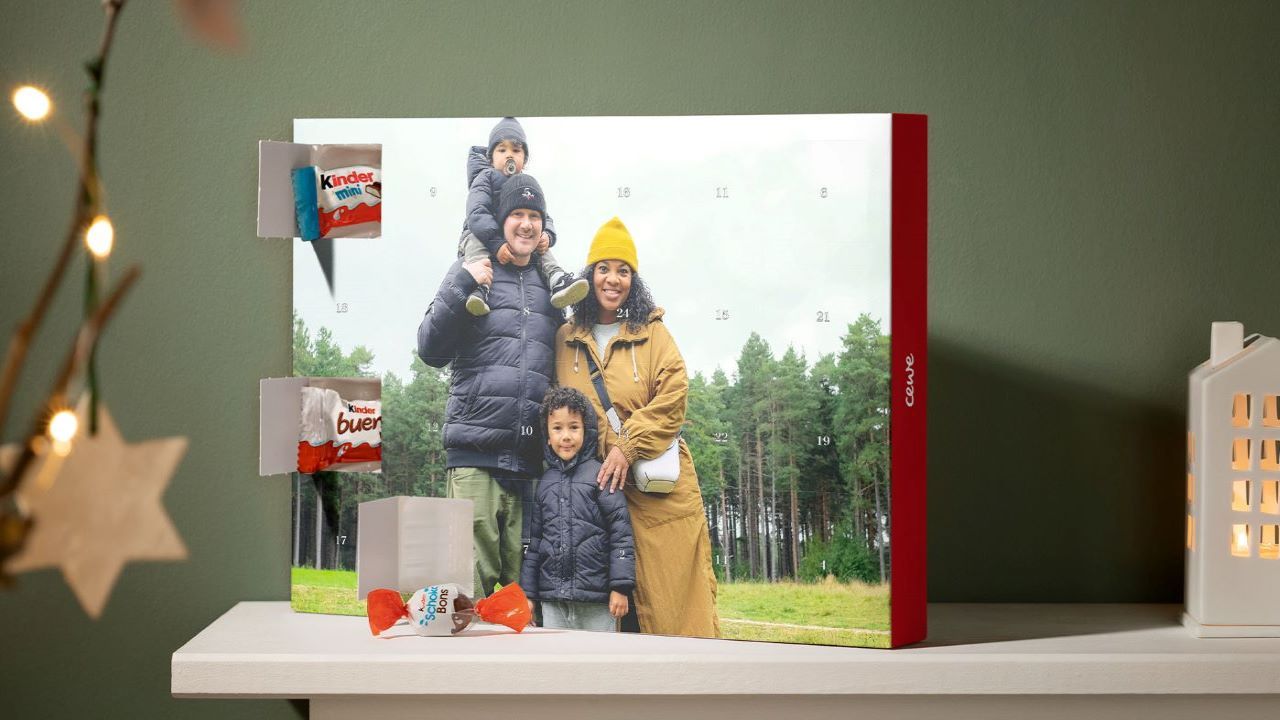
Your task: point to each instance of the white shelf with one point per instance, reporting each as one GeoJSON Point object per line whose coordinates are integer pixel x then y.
{"type": "Point", "coordinates": [264, 649]}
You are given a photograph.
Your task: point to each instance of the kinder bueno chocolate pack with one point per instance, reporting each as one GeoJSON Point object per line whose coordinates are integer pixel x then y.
{"type": "Point", "coordinates": [338, 434]}
{"type": "Point", "coordinates": [319, 191]}
{"type": "Point", "coordinates": [310, 424]}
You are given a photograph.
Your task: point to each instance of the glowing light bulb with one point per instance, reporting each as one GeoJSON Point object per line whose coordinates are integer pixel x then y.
{"type": "Point", "coordinates": [63, 426]}
{"type": "Point", "coordinates": [100, 237]}
{"type": "Point", "coordinates": [32, 103]}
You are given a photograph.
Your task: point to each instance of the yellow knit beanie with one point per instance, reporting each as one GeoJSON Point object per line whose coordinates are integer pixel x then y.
{"type": "Point", "coordinates": [613, 242]}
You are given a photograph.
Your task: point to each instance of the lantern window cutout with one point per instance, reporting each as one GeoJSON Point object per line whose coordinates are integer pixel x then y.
{"type": "Point", "coordinates": [1240, 495]}
{"type": "Point", "coordinates": [1270, 413]}
{"type": "Point", "coordinates": [1191, 488]}
{"type": "Point", "coordinates": [1240, 540]}
{"type": "Point", "coordinates": [1240, 454]}
{"type": "Point", "coordinates": [1270, 497]}
{"type": "Point", "coordinates": [1191, 533]}
{"type": "Point", "coordinates": [1270, 458]}
{"type": "Point", "coordinates": [1191, 449]}
{"type": "Point", "coordinates": [1269, 542]}
{"type": "Point", "coordinates": [1240, 410]}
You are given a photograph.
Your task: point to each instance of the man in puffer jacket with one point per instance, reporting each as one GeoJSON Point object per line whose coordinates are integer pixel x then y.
{"type": "Point", "coordinates": [581, 561]}
{"type": "Point", "coordinates": [501, 367]}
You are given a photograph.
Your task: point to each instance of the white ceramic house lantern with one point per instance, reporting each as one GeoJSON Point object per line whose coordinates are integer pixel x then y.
{"type": "Point", "coordinates": [1233, 488]}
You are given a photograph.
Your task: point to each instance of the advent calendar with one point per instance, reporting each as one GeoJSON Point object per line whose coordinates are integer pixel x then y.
{"type": "Point", "coordinates": [788, 254]}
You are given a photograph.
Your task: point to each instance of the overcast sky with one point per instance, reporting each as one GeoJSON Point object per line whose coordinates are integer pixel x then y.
{"type": "Point", "coordinates": [773, 254]}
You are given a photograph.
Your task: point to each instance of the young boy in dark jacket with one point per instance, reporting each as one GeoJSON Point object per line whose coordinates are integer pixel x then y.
{"type": "Point", "coordinates": [581, 561]}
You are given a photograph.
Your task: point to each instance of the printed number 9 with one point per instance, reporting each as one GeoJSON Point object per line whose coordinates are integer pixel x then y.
{"type": "Point", "coordinates": [433, 192]}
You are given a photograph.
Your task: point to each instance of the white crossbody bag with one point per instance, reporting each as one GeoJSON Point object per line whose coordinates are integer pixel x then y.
{"type": "Point", "coordinates": [658, 475]}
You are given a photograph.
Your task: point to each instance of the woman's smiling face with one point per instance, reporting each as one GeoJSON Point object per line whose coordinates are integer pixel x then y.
{"type": "Point", "coordinates": [611, 283]}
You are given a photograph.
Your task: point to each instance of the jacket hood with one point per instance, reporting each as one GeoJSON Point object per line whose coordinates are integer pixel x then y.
{"type": "Point", "coordinates": [590, 445]}
{"type": "Point", "coordinates": [477, 161]}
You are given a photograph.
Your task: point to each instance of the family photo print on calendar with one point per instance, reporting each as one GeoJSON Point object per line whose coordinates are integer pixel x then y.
{"type": "Point", "coordinates": [660, 356]}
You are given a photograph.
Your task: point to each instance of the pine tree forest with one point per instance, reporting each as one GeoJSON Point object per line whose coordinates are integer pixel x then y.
{"type": "Point", "coordinates": [792, 457]}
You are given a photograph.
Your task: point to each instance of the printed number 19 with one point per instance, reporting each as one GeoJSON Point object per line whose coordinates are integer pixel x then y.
{"type": "Point", "coordinates": [824, 440]}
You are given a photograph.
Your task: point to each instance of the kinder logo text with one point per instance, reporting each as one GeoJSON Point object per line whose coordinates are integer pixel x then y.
{"type": "Point", "coordinates": [435, 601]}
{"type": "Point", "coordinates": [346, 185]}
{"type": "Point", "coordinates": [349, 420]}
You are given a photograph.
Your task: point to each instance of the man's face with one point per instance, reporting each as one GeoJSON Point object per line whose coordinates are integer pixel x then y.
{"type": "Point", "coordinates": [508, 150]}
{"type": "Point", "coordinates": [522, 229]}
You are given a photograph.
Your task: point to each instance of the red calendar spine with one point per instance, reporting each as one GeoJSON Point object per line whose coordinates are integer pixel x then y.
{"type": "Point", "coordinates": [909, 378]}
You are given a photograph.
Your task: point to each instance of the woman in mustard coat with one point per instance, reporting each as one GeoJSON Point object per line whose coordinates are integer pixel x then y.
{"type": "Point", "coordinates": [619, 327]}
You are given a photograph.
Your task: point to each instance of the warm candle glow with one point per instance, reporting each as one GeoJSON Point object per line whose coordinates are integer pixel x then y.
{"type": "Point", "coordinates": [1269, 544]}
{"type": "Point", "coordinates": [32, 103]}
{"type": "Point", "coordinates": [1240, 496]}
{"type": "Point", "coordinates": [1271, 497]}
{"type": "Point", "coordinates": [1240, 540]}
{"type": "Point", "coordinates": [100, 237]}
{"type": "Point", "coordinates": [1240, 410]}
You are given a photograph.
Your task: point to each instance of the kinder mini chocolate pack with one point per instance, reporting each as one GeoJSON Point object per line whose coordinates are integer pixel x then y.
{"type": "Point", "coordinates": [338, 202]}
{"type": "Point", "coordinates": [315, 191]}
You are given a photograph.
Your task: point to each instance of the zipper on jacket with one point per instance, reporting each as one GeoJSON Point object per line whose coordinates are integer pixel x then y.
{"type": "Point", "coordinates": [524, 329]}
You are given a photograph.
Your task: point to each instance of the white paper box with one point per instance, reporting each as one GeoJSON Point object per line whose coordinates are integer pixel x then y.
{"type": "Point", "coordinates": [406, 543]}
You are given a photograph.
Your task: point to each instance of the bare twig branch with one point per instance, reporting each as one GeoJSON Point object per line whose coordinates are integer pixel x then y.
{"type": "Point", "coordinates": [72, 365]}
{"type": "Point", "coordinates": [87, 196]}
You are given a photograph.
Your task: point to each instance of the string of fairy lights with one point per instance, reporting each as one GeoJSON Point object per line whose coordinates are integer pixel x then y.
{"type": "Point", "coordinates": [34, 105]}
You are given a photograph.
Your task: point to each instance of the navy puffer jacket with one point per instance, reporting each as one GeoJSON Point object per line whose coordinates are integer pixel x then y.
{"type": "Point", "coordinates": [502, 366]}
{"type": "Point", "coordinates": [580, 544]}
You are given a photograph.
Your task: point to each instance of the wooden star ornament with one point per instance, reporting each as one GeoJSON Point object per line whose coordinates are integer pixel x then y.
{"type": "Point", "coordinates": [98, 508]}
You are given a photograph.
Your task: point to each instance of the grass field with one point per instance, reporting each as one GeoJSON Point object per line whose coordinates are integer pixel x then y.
{"type": "Point", "coordinates": [824, 613]}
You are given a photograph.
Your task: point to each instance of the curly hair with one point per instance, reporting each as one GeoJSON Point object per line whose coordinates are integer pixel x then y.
{"type": "Point", "coordinates": [564, 397]}
{"type": "Point", "coordinates": [586, 312]}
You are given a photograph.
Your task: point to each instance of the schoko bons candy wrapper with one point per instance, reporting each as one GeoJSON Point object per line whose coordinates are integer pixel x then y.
{"type": "Point", "coordinates": [338, 434]}
{"type": "Point", "coordinates": [441, 610]}
{"type": "Point", "coordinates": [340, 195]}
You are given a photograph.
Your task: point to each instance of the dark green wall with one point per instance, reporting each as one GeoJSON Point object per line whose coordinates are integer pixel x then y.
{"type": "Point", "coordinates": [1103, 185]}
